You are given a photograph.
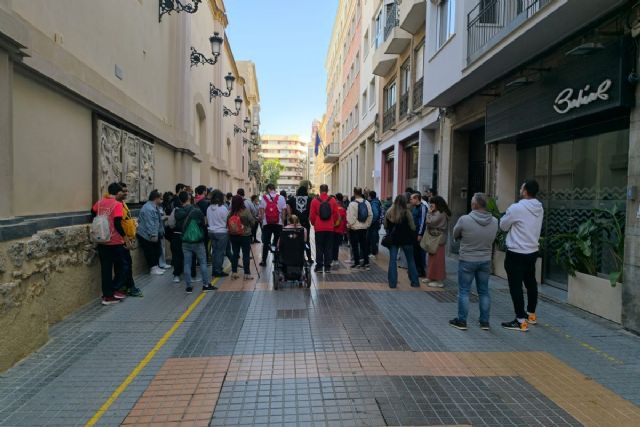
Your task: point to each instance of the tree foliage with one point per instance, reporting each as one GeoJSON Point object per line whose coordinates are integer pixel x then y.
{"type": "Point", "coordinates": [271, 172]}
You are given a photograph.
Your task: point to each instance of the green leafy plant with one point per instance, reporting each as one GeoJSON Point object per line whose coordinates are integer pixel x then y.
{"type": "Point", "coordinates": [578, 251]}
{"type": "Point", "coordinates": [501, 237]}
{"type": "Point", "coordinates": [270, 172]}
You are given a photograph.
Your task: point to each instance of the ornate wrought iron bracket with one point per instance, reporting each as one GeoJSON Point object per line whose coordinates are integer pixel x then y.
{"type": "Point", "coordinates": [168, 6]}
{"type": "Point", "coordinates": [197, 58]}
{"type": "Point", "coordinates": [226, 112]}
{"type": "Point", "coordinates": [214, 92]}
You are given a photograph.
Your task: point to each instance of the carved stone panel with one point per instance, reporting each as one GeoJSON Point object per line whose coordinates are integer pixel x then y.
{"type": "Point", "coordinates": [131, 170]}
{"type": "Point", "coordinates": [147, 168]}
{"type": "Point", "coordinates": [109, 155]}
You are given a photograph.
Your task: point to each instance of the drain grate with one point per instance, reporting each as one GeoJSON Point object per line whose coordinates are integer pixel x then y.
{"type": "Point", "coordinates": [449, 296]}
{"type": "Point", "coordinates": [298, 313]}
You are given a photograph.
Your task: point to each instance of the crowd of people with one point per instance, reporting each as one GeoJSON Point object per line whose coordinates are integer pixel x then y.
{"type": "Point", "coordinates": [206, 226]}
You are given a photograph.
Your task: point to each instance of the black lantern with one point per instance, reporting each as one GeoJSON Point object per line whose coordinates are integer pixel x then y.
{"type": "Point", "coordinates": [238, 103]}
{"type": "Point", "coordinates": [214, 91]}
{"type": "Point", "coordinates": [237, 129]}
{"type": "Point", "coordinates": [197, 58]}
{"type": "Point", "coordinates": [247, 122]}
{"type": "Point", "coordinates": [168, 6]}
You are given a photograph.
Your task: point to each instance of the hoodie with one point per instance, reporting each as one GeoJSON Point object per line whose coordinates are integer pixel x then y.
{"type": "Point", "coordinates": [523, 221]}
{"type": "Point", "coordinates": [476, 233]}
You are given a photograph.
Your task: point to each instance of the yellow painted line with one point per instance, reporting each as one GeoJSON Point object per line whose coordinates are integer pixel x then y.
{"type": "Point", "coordinates": [144, 362]}
{"type": "Point", "coordinates": [585, 345]}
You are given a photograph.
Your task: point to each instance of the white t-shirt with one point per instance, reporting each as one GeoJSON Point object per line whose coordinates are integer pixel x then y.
{"type": "Point", "coordinates": [282, 205]}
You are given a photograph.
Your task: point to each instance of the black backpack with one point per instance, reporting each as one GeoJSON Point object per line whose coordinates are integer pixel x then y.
{"type": "Point", "coordinates": [325, 209]}
{"type": "Point", "coordinates": [363, 212]}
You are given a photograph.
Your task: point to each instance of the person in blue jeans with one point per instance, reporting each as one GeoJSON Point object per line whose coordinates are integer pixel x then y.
{"type": "Point", "coordinates": [399, 225]}
{"type": "Point", "coordinates": [476, 233]}
{"type": "Point", "coordinates": [217, 214]}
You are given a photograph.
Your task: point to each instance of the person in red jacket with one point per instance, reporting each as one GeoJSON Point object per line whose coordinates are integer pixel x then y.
{"type": "Point", "coordinates": [323, 216]}
{"type": "Point", "coordinates": [339, 228]}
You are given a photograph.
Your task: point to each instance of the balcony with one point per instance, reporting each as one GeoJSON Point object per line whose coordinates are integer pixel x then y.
{"type": "Point", "coordinates": [490, 21]}
{"type": "Point", "coordinates": [417, 94]}
{"type": "Point", "coordinates": [332, 153]}
{"type": "Point", "coordinates": [412, 15]}
{"type": "Point", "coordinates": [404, 104]}
{"type": "Point", "coordinates": [396, 40]}
{"type": "Point", "coordinates": [383, 63]}
{"type": "Point", "coordinates": [389, 118]}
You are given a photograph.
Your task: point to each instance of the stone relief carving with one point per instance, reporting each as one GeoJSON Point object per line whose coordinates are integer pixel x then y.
{"type": "Point", "coordinates": [109, 155]}
{"type": "Point", "coordinates": [123, 156]}
{"type": "Point", "coordinates": [131, 170]}
{"type": "Point", "coordinates": [147, 168]}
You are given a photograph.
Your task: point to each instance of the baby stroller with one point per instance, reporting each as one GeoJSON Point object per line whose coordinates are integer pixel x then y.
{"type": "Point", "coordinates": [289, 263]}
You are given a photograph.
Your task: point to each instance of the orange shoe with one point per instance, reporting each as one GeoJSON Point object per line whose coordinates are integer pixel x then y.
{"type": "Point", "coordinates": [516, 326]}
{"type": "Point", "coordinates": [533, 319]}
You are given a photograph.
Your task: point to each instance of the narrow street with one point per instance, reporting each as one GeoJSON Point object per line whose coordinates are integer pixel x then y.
{"type": "Point", "coordinates": [349, 351]}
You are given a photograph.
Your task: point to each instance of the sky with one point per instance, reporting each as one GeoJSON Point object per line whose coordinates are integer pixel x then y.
{"type": "Point", "coordinates": [288, 41]}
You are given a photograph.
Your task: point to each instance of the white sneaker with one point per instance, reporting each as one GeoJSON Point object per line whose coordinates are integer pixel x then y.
{"type": "Point", "coordinates": [157, 271]}
{"type": "Point", "coordinates": [165, 267]}
{"type": "Point", "coordinates": [176, 279]}
{"type": "Point", "coordinates": [435, 284]}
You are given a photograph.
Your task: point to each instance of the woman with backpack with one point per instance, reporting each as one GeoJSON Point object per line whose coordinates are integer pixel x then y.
{"type": "Point", "coordinates": [239, 224]}
{"type": "Point", "coordinates": [437, 225]}
{"type": "Point", "coordinates": [401, 233]}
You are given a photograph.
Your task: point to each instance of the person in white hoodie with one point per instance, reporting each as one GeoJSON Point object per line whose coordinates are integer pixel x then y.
{"type": "Point", "coordinates": [523, 222]}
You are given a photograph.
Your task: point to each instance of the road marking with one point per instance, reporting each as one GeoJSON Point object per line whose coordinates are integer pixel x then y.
{"type": "Point", "coordinates": [584, 344]}
{"type": "Point", "coordinates": [144, 362]}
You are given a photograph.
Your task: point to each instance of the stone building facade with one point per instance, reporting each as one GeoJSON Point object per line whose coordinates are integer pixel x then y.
{"type": "Point", "coordinates": [95, 92]}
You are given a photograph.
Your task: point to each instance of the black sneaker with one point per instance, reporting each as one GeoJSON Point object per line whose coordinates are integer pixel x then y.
{"type": "Point", "coordinates": [458, 324]}
{"type": "Point", "coordinates": [209, 288]}
{"type": "Point", "coordinates": [189, 289]}
{"type": "Point", "coordinates": [262, 264]}
{"type": "Point", "coordinates": [485, 326]}
{"type": "Point", "coordinates": [134, 292]}
{"type": "Point", "coordinates": [355, 266]}
{"type": "Point", "coordinates": [317, 270]}
{"type": "Point", "coordinates": [366, 267]}
{"type": "Point", "coordinates": [514, 325]}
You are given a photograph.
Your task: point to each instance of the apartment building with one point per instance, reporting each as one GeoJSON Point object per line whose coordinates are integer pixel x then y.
{"type": "Point", "coordinates": [88, 98]}
{"type": "Point", "coordinates": [542, 89]}
{"type": "Point", "coordinates": [292, 151]}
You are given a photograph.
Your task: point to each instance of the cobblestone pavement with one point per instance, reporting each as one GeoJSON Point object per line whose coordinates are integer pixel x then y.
{"type": "Point", "coordinates": [349, 351]}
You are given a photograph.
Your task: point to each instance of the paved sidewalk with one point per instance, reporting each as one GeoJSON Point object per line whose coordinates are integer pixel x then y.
{"type": "Point", "coordinates": [349, 351]}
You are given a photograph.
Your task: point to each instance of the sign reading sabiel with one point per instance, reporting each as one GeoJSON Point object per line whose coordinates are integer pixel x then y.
{"type": "Point", "coordinates": [565, 101]}
{"type": "Point", "coordinates": [564, 96]}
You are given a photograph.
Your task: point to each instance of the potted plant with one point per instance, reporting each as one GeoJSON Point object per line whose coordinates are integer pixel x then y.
{"type": "Point", "coordinates": [579, 254]}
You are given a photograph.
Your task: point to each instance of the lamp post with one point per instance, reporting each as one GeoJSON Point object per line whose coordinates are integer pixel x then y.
{"type": "Point", "coordinates": [214, 91]}
{"type": "Point", "coordinates": [168, 6]}
{"type": "Point", "coordinates": [198, 58]}
{"type": "Point", "coordinates": [227, 112]}
{"type": "Point", "coordinates": [237, 129]}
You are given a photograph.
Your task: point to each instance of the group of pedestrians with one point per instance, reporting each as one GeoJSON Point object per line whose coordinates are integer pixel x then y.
{"type": "Point", "coordinates": [212, 225]}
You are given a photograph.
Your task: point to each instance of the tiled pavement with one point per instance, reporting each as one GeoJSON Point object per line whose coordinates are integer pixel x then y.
{"type": "Point", "coordinates": [348, 351]}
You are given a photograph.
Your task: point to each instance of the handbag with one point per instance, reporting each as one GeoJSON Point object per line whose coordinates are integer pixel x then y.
{"type": "Point", "coordinates": [431, 241]}
{"type": "Point", "coordinates": [387, 240]}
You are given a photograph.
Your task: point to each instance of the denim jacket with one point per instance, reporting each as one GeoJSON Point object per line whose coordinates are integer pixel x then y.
{"type": "Point", "coordinates": [150, 221]}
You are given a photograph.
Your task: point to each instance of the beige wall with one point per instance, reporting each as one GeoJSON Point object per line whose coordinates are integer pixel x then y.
{"type": "Point", "coordinates": [52, 151]}
{"type": "Point", "coordinates": [165, 173]}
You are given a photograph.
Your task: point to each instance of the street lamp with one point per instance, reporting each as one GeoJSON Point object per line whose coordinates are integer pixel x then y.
{"type": "Point", "coordinates": [168, 6]}
{"type": "Point", "coordinates": [237, 130]}
{"type": "Point", "coordinates": [227, 112]}
{"type": "Point", "coordinates": [197, 58]}
{"type": "Point", "coordinates": [214, 91]}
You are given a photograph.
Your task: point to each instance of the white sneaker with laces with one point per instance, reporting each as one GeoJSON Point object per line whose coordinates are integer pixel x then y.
{"type": "Point", "coordinates": [435, 284]}
{"type": "Point", "coordinates": [157, 271]}
{"type": "Point", "coordinates": [176, 279]}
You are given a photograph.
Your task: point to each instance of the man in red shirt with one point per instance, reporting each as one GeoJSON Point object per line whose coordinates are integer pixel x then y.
{"type": "Point", "coordinates": [111, 252]}
{"type": "Point", "coordinates": [323, 216]}
{"type": "Point", "coordinates": [339, 229]}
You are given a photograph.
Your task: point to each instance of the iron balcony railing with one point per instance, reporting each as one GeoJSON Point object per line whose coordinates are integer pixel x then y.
{"type": "Point", "coordinates": [332, 149]}
{"type": "Point", "coordinates": [404, 104]}
{"type": "Point", "coordinates": [389, 118]}
{"type": "Point", "coordinates": [392, 19]}
{"type": "Point", "coordinates": [417, 94]}
{"type": "Point", "coordinates": [492, 20]}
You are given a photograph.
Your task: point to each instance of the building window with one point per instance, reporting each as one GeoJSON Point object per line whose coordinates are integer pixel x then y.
{"type": "Point", "coordinates": [372, 92]}
{"type": "Point", "coordinates": [366, 43]}
{"type": "Point", "coordinates": [405, 76]}
{"type": "Point", "coordinates": [419, 61]}
{"type": "Point", "coordinates": [446, 21]}
{"type": "Point", "coordinates": [489, 12]}
{"type": "Point", "coordinates": [390, 96]}
{"type": "Point", "coordinates": [379, 26]}
{"type": "Point", "coordinates": [364, 102]}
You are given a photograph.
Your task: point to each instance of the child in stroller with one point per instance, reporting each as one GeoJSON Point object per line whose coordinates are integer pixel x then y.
{"type": "Point", "coordinates": [289, 263]}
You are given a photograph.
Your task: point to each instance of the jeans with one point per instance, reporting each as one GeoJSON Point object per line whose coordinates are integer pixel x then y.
{"type": "Point", "coordinates": [125, 271]}
{"type": "Point", "coordinates": [244, 243]}
{"type": "Point", "coordinates": [111, 257]}
{"type": "Point", "coordinates": [522, 268]}
{"type": "Point", "coordinates": [419, 257]}
{"type": "Point", "coordinates": [324, 249]}
{"type": "Point", "coordinates": [177, 257]}
{"type": "Point", "coordinates": [163, 257]}
{"type": "Point", "coordinates": [373, 236]}
{"type": "Point", "coordinates": [219, 246]}
{"type": "Point", "coordinates": [197, 250]}
{"type": "Point", "coordinates": [151, 251]}
{"type": "Point", "coordinates": [467, 271]}
{"type": "Point", "coordinates": [392, 274]}
{"type": "Point", "coordinates": [359, 246]}
{"type": "Point", "coordinates": [268, 231]}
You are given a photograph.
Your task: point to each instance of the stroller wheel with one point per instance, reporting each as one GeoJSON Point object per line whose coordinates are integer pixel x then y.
{"type": "Point", "coordinates": [276, 280]}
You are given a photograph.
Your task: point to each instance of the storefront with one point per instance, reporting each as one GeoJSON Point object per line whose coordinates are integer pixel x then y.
{"type": "Point", "coordinates": [571, 130]}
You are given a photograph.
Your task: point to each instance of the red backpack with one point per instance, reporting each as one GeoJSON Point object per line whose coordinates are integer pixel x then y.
{"type": "Point", "coordinates": [271, 212]}
{"type": "Point", "coordinates": [235, 226]}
